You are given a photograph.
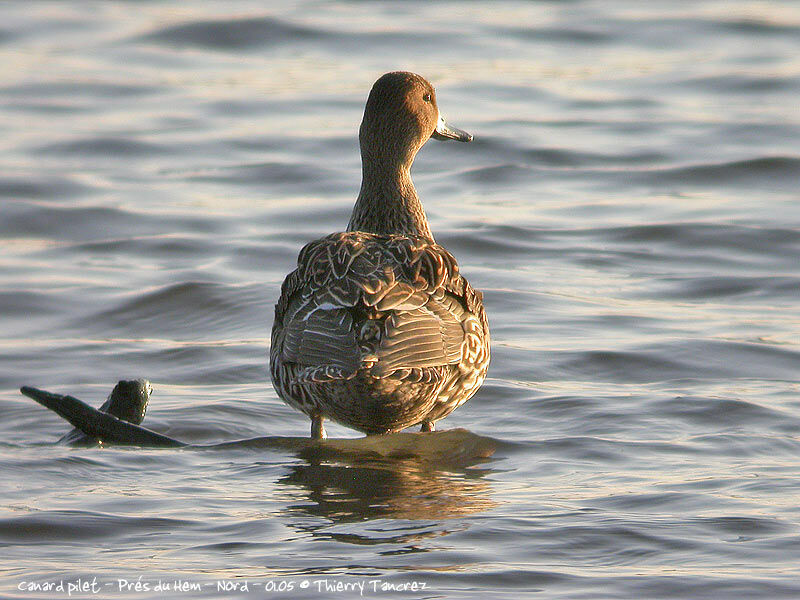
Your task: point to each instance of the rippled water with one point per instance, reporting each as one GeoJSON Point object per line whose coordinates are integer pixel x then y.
{"type": "Point", "coordinates": [629, 207]}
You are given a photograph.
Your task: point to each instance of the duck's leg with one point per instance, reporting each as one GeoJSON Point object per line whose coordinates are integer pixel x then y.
{"type": "Point", "coordinates": [428, 426]}
{"type": "Point", "coordinates": [317, 428]}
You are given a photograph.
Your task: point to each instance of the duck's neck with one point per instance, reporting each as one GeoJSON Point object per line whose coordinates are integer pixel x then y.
{"type": "Point", "coordinates": [388, 202]}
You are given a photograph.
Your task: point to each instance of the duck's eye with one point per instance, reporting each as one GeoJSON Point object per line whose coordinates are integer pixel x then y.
{"type": "Point", "coordinates": [427, 97]}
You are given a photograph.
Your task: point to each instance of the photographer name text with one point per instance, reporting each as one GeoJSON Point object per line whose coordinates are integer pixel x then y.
{"type": "Point", "coordinates": [93, 586]}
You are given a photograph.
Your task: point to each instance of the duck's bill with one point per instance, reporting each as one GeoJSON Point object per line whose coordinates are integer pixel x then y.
{"type": "Point", "coordinates": [444, 131]}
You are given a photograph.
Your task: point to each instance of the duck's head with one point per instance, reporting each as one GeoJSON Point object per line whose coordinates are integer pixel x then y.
{"type": "Point", "coordinates": [400, 116]}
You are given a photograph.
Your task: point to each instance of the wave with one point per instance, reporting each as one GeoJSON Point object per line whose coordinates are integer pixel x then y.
{"type": "Point", "coordinates": [590, 36]}
{"type": "Point", "coordinates": [741, 83]}
{"type": "Point", "coordinates": [81, 89]}
{"type": "Point", "coordinates": [183, 309]}
{"type": "Point", "coordinates": [103, 146]}
{"type": "Point", "coordinates": [771, 289]}
{"type": "Point", "coordinates": [47, 525]}
{"type": "Point", "coordinates": [238, 34]}
{"type": "Point", "coordinates": [233, 34]}
{"type": "Point", "coordinates": [766, 169]}
{"type": "Point", "coordinates": [41, 188]}
{"type": "Point", "coordinates": [309, 177]}
{"type": "Point", "coordinates": [674, 360]}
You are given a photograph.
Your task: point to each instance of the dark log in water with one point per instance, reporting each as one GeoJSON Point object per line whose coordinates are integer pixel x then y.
{"type": "Point", "coordinates": [107, 428]}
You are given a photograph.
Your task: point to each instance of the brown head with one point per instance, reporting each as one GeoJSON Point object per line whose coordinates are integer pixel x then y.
{"type": "Point", "coordinates": [400, 116]}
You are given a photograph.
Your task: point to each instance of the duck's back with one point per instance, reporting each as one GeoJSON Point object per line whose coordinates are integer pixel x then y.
{"type": "Point", "coordinates": [378, 332]}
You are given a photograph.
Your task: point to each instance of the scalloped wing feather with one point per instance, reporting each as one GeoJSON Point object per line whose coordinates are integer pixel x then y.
{"type": "Point", "coordinates": [402, 278]}
{"type": "Point", "coordinates": [322, 337]}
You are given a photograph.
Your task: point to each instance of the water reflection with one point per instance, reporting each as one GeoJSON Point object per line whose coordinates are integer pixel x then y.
{"type": "Point", "coordinates": [403, 476]}
{"type": "Point", "coordinates": [399, 489]}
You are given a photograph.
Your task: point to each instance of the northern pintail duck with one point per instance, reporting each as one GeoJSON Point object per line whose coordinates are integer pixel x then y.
{"type": "Point", "coordinates": [376, 329]}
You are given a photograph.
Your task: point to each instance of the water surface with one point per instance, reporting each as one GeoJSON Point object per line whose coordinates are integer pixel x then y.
{"type": "Point", "coordinates": [629, 208]}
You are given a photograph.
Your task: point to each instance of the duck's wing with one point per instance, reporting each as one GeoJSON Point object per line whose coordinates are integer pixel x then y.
{"type": "Point", "coordinates": [389, 304]}
{"type": "Point", "coordinates": [310, 330]}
